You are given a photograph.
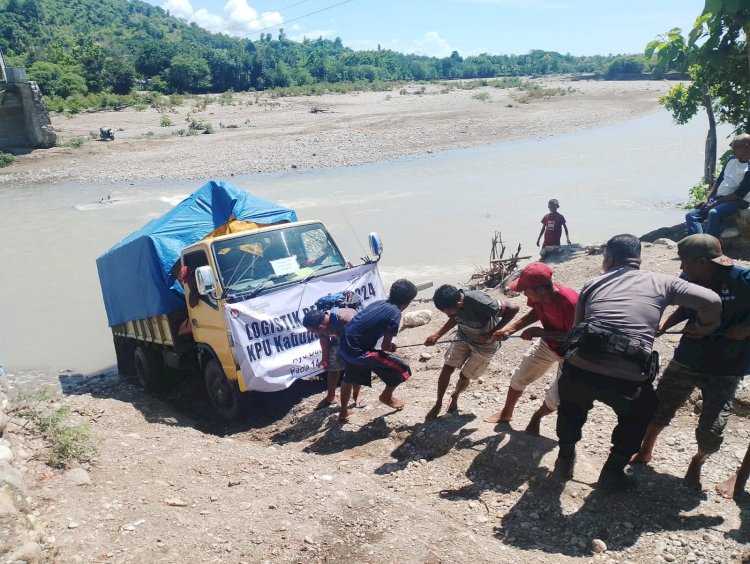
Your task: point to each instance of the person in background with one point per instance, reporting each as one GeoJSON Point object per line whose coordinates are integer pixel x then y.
{"type": "Point", "coordinates": [329, 325]}
{"type": "Point", "coordinates": [552, 225]}
{"type": "Point", "coordinates": [716, 363]}
{"type": "Point", "coordinates": [554, 306]}
{"type": "Point", "coordinates": [380, 319]}
{"type": "Point", "coordinates": [609, 356]}
{"type": "Point", "coordinates": [730, 192]}
{"type": "Point", "coordinates": [477, 317]}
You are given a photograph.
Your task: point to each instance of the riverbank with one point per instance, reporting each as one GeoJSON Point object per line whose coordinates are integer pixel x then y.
{"type": "Point", "coordinates": [253, 132]}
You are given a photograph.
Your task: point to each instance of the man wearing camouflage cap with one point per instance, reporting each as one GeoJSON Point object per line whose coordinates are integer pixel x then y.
{"type": "Point", "coordinates": [714, 363]}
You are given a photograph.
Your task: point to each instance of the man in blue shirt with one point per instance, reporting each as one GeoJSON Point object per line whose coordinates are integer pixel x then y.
{"type": "Point", "coordinates": [357, 347]}
{"type": "Point", "coordinates": [714, 363]}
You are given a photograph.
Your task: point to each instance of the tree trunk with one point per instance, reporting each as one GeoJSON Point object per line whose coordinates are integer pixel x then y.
{"type": "Point", "coordinates": [709, 161]}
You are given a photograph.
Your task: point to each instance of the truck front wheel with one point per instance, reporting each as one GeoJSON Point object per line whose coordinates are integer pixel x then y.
{"type": "Point", "coordinates": [147, 368]}
{"type": "Point", "coordinates": [225, 395]}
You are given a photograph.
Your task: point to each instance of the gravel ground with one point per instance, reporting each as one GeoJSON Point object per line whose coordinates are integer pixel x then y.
{"type": "Point", "coordinates": [290, 484]}
{"type": "Point", "coordinates": [261, 134]}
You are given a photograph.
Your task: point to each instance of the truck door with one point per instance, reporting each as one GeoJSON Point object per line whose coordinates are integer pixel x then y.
{"type": "Point", "coordinates": [207, 315]}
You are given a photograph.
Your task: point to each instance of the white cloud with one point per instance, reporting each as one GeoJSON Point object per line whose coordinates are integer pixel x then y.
{"type": "Point", "coordinates": [432, 45]}
{"type": "Point", "coordinates": [208, 21]}
{"type": "Point", "coordinates": [314, 34]}
{"type": "Point", "coordinates": [239, 18]}
{"type": "Point", "coordinates": [179, 8]}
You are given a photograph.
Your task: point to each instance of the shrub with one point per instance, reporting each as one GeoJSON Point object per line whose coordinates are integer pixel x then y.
{"type": "Point", "coordinates": [140, 107]}
{"type": "Point", "coordinates": [6, 159]}
{"type": "Point", "coordinates": [74, 143]}
{"type": "Point", "coordinates": [697, 194]}
{"type": "Point", "coordinates": [67, 442]}
{"type": "Point", "coordinates": [165, 121]}
{"type": "Point", "coordinates": [481, 96]}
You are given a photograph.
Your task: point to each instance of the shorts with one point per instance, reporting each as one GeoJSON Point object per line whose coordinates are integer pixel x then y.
{"type": "Point", "coordinates": [335, 362]}
{"type": "Point", "coordinates": [472, 362]}
{"type": "Point", "coordinates": [535, 363]}
{"type": "Point", "coordinates": [391, 369]}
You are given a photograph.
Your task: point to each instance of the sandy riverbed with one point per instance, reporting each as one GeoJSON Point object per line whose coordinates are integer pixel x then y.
{"type": "Point", "coordinates": [259, 133]}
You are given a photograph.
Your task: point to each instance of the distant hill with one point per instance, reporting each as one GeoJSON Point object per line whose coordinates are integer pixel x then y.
{"type": "Point", "coordinates": [76, 47]}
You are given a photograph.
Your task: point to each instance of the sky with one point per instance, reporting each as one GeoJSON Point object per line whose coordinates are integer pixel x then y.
{"type": "Point", "coordinates": [439, 27]}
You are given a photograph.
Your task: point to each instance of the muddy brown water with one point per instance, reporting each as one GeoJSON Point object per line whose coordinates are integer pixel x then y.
{"type": "Point", "coordinates": [436, 215]}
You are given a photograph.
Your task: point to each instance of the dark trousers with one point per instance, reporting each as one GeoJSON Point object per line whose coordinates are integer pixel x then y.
{"type": "Point", "coordinates": [633, 402]}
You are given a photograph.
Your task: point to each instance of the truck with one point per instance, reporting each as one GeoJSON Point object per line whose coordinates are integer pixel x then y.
{"type": "Point", "coordinates": [219, 285]}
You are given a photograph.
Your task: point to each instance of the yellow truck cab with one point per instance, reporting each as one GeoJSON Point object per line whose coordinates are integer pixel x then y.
{"type": "Point", "coordinates": [231, 305]}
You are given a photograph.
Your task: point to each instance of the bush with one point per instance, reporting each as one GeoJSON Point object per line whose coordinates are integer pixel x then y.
{"type": "Point", "coordinates": [6, 159]}
{"type": "Point", "coordinates": [67, 442]}
{"type": "Point", "coordinates": [165, 121]}
{"type": "Point", "coordinates": [74, 143]}
{"type": "Point", "coordinates": [697, 194]}
{"type": "Point", "coordinates": [481, 96]}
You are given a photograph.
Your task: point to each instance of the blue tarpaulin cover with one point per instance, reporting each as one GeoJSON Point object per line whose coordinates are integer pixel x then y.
{"type": "Point", "coordinates": [136, 275]}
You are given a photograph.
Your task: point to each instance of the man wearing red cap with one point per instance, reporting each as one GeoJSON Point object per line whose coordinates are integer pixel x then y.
{"type": "Point", "coordinates": [716, 363]}
{"type": "Point", "coordinates": [554, 306]}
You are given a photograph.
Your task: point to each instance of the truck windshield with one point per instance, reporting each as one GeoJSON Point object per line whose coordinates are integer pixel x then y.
{"type": "Point", "coordinates": [256, 261]}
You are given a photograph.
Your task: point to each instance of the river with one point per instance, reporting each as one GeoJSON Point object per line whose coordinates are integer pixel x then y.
{"type": "Point", "coordinates": [436, 215]}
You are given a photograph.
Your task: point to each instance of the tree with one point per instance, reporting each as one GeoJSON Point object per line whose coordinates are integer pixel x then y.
{"type": "Point", "coordinates": [189, 73]}
{"type": "Point", "coordinates": [725, 58]}
{"type": "Point", "coordinates": [673, 52]}
{"type": "Point", "coordinates": [717, 56]}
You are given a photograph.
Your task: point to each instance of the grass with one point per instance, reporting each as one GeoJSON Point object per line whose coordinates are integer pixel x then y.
{"type": "Point", "coordinates": [67, 442]}
{"type": "Point", "coordinates": [6, 159]}
{"type": "Point", "coordinates": [73, 143]}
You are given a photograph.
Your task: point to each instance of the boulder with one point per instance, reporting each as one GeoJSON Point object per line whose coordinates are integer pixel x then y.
{"type": "Point", "coordinates": [417, 318]}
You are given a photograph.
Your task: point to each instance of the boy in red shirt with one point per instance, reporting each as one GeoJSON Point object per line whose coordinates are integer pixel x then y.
{"type": "Point", "coordinates": [552, 226]}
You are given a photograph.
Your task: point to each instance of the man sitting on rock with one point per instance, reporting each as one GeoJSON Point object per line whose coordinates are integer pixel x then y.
{"type": "Point", "coordinates": [554, 305]}
{"type": "Point", "coordinates": [729, 194]}
{"type": "Point", "coordinates": [477, 317]}
{"type": "Point", "coordinates": [714, 363]}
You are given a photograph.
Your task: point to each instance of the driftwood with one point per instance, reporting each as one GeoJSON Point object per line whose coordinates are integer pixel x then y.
{"type": "Point", "coordinates": [499, 268]}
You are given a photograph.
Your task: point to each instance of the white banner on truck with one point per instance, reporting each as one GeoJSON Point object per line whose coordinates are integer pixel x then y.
{"type": "Point", "coordinates": [271, 345]}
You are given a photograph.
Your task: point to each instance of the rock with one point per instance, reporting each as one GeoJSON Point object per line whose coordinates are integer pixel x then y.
{"type": "Point", "coordinates": [176, 502]}
{"type": "Point", "coordinates": [666, 242]}
{"type": "Point", "coordinates": [417, 318]}
{"type": "Point", "coordinates": [30, 553]}
{"type": "Point", "coordinates": [425, 356]}
{"type": "Point", "coordinates": [6, 454]}
{"type": "Point", "coordinates": [11, 482]}
{"type": "Point", "coordinates": [3, 423]}
{"type": "Point", "coordinates": [78, 477]}
{"type": "Point", "coordinates": [598, 546]}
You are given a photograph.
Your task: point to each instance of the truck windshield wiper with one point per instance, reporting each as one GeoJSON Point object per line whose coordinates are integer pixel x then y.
{"type": "Point", "coordinates": [318, 269]}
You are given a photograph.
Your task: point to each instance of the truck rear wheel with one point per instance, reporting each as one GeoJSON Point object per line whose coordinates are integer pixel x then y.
{"type": "Point", "coordinates": [225, 395]}
{"type": "Point", "coordinates": [147, 368]}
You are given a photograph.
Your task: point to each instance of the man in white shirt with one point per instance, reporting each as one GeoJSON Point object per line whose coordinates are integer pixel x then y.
{"type": "Point", "coordinates": [730, 192]}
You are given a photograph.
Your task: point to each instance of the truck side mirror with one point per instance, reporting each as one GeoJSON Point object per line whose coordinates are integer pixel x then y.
{"type": "Point", "coordinates": [376, 245]}
{"type": "Point", "coordinates": [204, 280]}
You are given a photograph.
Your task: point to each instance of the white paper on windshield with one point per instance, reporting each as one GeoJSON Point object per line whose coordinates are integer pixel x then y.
{"type": "Point", "coordinates": [284, 266]}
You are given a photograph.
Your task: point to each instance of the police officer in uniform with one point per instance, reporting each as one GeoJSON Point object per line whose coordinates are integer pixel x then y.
{"type": "Point", "coordinates": [609, 353]}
